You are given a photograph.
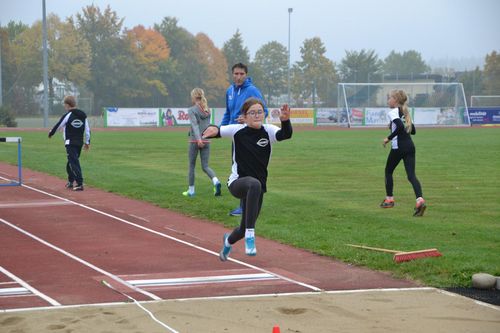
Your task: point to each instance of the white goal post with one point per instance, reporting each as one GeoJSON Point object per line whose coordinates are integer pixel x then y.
{"type": "Point", "coordinates": [478, 101]}
{"type": "Point", "coordinates": [430, 103]}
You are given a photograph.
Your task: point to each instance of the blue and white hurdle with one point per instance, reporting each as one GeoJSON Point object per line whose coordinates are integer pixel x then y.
{"type": "Point", "coordinates": [19, 180]}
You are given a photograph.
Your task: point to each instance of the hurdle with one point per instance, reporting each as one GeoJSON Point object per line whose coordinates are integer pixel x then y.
{"type": "Point", "coordinates": [19, 163]}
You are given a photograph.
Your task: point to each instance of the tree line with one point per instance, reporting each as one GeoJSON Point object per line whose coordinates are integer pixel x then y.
{"type": "Point", "coordinates": [92, 53]}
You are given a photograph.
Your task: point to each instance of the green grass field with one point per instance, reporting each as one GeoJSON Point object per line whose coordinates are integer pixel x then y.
{"type": "Point", "coordinates": [324, 190]}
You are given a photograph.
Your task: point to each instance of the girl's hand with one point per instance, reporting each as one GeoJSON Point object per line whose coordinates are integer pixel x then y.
{"type": "Point", "coordinates": [240, 119]}
{"type": "Point", "coordinates": [210, 132]}
{"type": "Point", "coordinates": [285, 112]}
{"type": "Point", "coordinates": [386, 140]}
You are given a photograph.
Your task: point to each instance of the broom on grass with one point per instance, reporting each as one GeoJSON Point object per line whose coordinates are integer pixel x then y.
{"type": "Point", "coordinates": [401, 256]}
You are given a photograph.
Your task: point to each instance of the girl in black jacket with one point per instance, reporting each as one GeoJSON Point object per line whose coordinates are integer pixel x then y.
{"type": "Point", "coordinates": [402, 149]}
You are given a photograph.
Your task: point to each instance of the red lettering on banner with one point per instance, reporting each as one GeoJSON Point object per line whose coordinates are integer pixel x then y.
{"type": "Point", "coordinates": [182, 115]}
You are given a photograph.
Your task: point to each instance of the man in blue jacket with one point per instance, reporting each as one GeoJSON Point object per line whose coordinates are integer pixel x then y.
{"type": "Point", "coordinates": [237, 93]}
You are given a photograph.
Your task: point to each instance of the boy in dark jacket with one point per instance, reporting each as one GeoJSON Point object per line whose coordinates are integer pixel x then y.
{"type": "Point", "coordinates": [76, 134]}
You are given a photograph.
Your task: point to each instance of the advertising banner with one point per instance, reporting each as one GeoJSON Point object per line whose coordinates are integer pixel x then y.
{"type": "Point", "coordinates": [483, 116]}
{"type": "Point", "coordinates": [357, 116]}
{"type": "Point", "coordinates": [175, 116]}
{"type": "Point", "coordinates": [274, 116]}
{"type": "Point", "coordinates": [376, 116]}
{"type": "Point", "coordinates": [297, 116]}
{"type": "Point", "coordinates": [217, 115]}
{"type": "Point", "coordinates": [426, 116]}
{"type": "Point", "coordinates": [131, 117]}
{"type": "Point", "coordinates": [333, 116]}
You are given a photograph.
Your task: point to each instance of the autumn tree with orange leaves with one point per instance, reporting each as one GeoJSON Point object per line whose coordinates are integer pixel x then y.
{"type": "Point", "coordinates": [150, 50]}
{"type": "Point", "coordinates": [214, 80]}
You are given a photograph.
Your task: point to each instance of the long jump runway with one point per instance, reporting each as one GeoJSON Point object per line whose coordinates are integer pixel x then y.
{"type": "Point", "coordinates": [57, 246]}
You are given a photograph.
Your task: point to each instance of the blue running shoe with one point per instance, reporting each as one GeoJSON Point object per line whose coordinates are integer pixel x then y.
{"type": "Point", "coordinates": [224, 253]}
{"type": "Point", "coordinates": [217, 190]}
{"type": "Point", "coordinates": [250, 249]}
{"type": "Point", "coordinates": [236, 212]}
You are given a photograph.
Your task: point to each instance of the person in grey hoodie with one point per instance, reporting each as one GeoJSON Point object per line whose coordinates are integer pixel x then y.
{"type": "Point", "coordinates": [199, 116]}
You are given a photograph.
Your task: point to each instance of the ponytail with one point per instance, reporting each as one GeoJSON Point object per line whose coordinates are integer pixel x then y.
{"type": "Point", "coordinates": [198, 96]}
{"type": "Point", "coordinates": [402, 99]}
{"type": "Point", "coordinates": [406, 114]}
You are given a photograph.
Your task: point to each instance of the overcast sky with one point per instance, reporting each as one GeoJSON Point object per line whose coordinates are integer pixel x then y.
{"type": "Point", "coordinates": [438, 29]}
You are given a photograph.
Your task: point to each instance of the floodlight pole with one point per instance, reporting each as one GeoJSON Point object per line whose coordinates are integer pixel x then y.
{"type": "Point", "coordinates": [290, 10]}
{"type": "Point", "coordinates": [1, 96]}
{"type": "Point", "coordinates": [45, 68]}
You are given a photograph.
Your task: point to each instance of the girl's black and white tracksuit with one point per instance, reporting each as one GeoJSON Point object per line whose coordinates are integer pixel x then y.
{"type": "Point", "coordinates": [402, 149]}
{"type": "Point", "coordinates": [251, 156]}
{"type": "Point", "coordinates": [76, 132]}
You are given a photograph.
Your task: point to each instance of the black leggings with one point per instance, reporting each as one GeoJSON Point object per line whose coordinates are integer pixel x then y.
{"type": "Point", "coordinates": [249, 191]}
{"type": "Point", "coordinates": [73, 167]}
{"type": "Point", "coordinates": [395, 156]}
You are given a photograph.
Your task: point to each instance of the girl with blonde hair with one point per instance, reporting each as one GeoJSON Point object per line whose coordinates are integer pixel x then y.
{"type": "Point", "coordinates": [199, 116]}
{"type": "Point", "coordinates": [402, 148]}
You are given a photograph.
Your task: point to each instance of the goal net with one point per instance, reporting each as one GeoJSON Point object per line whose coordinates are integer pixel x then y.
{"type": "Point", "coordinates": [430, 104]}
{"type": "Point", "coordinates": [479, 101]}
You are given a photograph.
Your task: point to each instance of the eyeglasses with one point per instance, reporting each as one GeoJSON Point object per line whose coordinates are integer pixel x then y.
{"type": "Point", "coordinates": [254, 113]}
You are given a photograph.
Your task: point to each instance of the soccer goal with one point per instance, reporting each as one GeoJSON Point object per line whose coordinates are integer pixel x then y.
{"type": "Point", "coordinates": [431, 104]}
{"type": "Point", "coordinates": [478, 101]}
{"type": "Point", "coordinates": [9, 182]}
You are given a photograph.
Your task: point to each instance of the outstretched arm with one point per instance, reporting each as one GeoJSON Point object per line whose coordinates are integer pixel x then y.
{"type": "Point", "coordinates": [61, 123]}
{"type": "Point", "coordinates": [286, 125]}
{"type": "Point", "coordinates": [285, 112]}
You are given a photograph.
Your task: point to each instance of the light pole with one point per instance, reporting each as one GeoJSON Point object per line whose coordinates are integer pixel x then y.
{"type": "Point", "coordinates": [45, 68]}
{"type": "Point", "coordinates": [1, 98]}
{"type": "Point", "coordinates": [290, 10]}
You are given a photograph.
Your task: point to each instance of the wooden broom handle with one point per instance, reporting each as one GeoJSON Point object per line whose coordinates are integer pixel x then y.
{"type": "Point", "coordinates": [373, 248]}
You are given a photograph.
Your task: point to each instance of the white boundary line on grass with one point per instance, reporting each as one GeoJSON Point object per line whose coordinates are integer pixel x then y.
{"type": "Point", "coordinates": [305, 285]}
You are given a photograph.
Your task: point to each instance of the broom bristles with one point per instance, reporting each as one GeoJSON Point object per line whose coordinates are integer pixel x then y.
{"type": "Point", "coordinates": [408, 256]}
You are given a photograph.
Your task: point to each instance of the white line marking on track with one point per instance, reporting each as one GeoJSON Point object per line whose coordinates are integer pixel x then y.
{"type": "Point", "coordinates": [305, 285]}
{"type": "Point", "coordinates": [249, 296]}
{"type": "Point", "coordinates": [81, 261]}
{"type": "Point", "coordinates": [8, 282]}
{"type": "Point", "coordinates": [139, 218]}
{"type": "Point", "coordinates": [356, 291]}
{"type": "Point", "coordinates": [475, 301]}
{"type": "Point", "coordinates": [14, 291]}
{"type": "Point", "coordinates": [202, 280]}
{"type": "Point", "coordinates": [340, 292]}
{"type": "Point", "coordinates": [30, 288]}
{"type": "Point", "coordinates": [38, 203]}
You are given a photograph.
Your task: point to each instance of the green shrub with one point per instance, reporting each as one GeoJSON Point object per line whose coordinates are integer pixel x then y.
{"type": "Point", "coordinates": [7, 118]}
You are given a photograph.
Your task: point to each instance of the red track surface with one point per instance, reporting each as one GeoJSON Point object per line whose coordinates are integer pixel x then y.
{"type": "Point", "coordinates": [63, 243]}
